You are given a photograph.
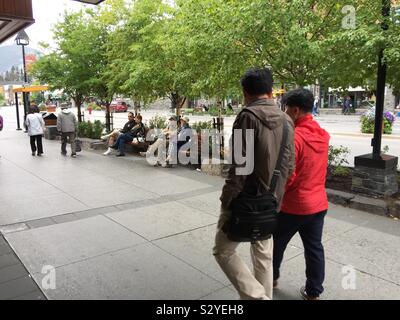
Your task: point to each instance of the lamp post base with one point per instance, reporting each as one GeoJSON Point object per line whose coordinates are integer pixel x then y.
{"type": "Point", "coordinates": [375, 176]}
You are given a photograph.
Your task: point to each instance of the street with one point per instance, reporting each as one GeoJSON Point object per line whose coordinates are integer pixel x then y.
{"type": "Point", "coordinates": [344, 130]}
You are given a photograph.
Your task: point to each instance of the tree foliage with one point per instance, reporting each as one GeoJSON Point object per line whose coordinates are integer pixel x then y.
{"type": "Point", "coordinates": [148, 49]}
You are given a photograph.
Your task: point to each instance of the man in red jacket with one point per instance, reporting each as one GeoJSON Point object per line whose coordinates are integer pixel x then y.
{"type": "Point", "coordinates": [305, 202]}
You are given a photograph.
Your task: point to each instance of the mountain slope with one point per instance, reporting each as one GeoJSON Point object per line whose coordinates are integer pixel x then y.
{"type": "Point", "coordinates": [12, 56]}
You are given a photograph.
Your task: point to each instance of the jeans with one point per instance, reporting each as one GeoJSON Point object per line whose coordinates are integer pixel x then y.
{"type": "Point", "coordinates": [310, 228]}
{"type": "Point", "coordinates": [65, 138]}
{"type": "Point", "coordinates": [36, 144]}
{"type": "Point", "coordinates": [122, 139]}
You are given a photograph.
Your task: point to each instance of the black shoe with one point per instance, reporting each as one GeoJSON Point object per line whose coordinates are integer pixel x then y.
{"type": "Point", "coordinates": [33, 153]}
{"type": "Point", "coordinates": [305, 296]}
{"type": "Point", "coordinates": [121, 154]}
{"type": "Point", "coordinates": [39, 154]}
{"type": "Point", "coordinates": [63, 153]}
{"type": "Point", "coordinates": [73, 155]}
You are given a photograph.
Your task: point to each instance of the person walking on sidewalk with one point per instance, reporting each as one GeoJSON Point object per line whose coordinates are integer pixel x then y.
{"type": "Point", "coordinates": [305, 202]}
{"type": "Point", "coordinates": [262, 116]}
{"type": "Point", "coordinates": [67, 127]}
{"type": "Point", "coordinates": [35, 125]}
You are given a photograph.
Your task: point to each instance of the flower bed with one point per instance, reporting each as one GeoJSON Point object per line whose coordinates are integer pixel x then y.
{"type": "Point", "coordinates": [368, 122]}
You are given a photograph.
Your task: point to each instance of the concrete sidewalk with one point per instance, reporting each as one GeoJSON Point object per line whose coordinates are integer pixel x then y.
{"type": "Point", "coordinates": [120, 229]}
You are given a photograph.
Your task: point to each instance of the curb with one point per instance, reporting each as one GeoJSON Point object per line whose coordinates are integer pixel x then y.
{"type": "Point", "coordinates": [375, 206]}
{"type": "Point", "coordinates": [364, 135]}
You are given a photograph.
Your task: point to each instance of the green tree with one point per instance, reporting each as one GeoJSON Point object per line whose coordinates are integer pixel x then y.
{"type": "Point", "coordinates": [77, 63]}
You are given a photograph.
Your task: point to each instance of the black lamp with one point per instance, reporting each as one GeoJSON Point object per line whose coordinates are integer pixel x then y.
{"type": "Point", "coordinates": [22, 40]}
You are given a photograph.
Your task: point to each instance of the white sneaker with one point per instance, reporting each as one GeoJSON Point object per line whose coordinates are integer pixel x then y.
{"type": "Point", "coordinates": [104, 138]}
{"type": "Point", "coordinates": [108, 152]}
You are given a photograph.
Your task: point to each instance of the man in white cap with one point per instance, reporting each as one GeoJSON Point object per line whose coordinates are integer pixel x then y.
{"type": "Point", "coordinates": [67, 126]}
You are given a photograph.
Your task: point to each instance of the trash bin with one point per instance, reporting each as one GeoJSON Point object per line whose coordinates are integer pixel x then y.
{"type": "Point", "coordinates": [50, 121]}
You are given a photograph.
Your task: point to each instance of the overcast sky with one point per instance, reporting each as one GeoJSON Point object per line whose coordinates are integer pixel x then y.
{"type": "Point", "coordinates": [46, 14]}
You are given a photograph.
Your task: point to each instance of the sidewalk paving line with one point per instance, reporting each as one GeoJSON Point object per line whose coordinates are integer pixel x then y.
{"type": "Point", "coordinates": [364, 135]}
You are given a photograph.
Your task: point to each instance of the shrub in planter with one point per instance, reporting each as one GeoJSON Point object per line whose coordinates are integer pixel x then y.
{"type": "Point", "coordinates": [337, 158]}
{"type": "Point", "coordinates": [368, 122]}
{"type": "Point", "coordinates": [98, 128]}
{"type": "Point", "coordinates": [158, 122]}
{"type": "Point", "coordinates": [91, 130]}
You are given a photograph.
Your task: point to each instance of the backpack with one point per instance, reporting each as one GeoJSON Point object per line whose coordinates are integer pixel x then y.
{"type": "Point", "coordinates": [1, 123]}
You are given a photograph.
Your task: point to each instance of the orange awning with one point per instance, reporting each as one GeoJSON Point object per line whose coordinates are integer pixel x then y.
{"type": "Point", "coordinates": [31, 89]}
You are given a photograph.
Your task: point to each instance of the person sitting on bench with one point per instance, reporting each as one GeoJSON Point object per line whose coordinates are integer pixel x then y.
{"type": "Point", "coordinates": [137, 132]}
{"type": "Point", "coordinates": [159, 146]}
{"type": "Point", "coordinates": [183, 137]}
{"type": "Point", "coordinates": [113, 136]}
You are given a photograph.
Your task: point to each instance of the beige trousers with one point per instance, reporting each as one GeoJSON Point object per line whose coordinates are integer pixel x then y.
{"type": "Point", "coordinates": [256, 285]}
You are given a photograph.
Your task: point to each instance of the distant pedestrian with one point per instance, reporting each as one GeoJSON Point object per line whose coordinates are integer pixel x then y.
{"type": "Point", "coordinates": [35, 125]}
{"type": "Point", "coordinates": [305, 202]}
{"type": "Point", "coordinates": [67, 126]}
{"type": "Point", "coordinates": [347, 105]}
{"type": "Point", "coordinates": [315, 110]}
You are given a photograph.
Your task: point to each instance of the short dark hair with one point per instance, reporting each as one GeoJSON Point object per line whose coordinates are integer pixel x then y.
{"type": "Point", "coordinates": [257, 81]}
{"type": "Point", "coordinates": [34, 109]}
{"type": "Point", "coordinates": [302, 98]}
{"type": "Point", "coordinates": [131, 114]}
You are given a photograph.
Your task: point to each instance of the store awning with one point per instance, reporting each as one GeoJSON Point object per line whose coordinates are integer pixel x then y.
{"type": "Point", "coordinates": [350, 89]}
{"type": "Point", "coordinates": [15, 16]}
{"type": "Point", "coordinates": [31, 89]}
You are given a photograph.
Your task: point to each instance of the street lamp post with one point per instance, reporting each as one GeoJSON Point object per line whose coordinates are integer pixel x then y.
{"type": "Point", "coordinates": [22, 40]}
{"type": "Point", "coordinates": [376, 173]}
{"type": "Point", "coordinates": [380, 89]}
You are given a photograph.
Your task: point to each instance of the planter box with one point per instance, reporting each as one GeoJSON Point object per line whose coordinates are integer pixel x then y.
{"type": "Point", "coordinates": [93, 144]}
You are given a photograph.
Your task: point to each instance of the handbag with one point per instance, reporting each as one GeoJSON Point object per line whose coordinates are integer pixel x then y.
{"type": "Point", "coordinates": [254, 217]}
{"type": "Point", "coordinates": [78, 145]}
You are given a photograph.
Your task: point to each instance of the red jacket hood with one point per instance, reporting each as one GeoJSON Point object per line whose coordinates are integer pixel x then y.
{"type": "Point", "coordinates": [312, 134]}
{"type": "Point", "coordinates": [305, 190]}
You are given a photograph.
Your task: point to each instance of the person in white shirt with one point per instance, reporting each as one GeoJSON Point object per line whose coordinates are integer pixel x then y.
{"type": "Point", "coordinates": [35, 125]}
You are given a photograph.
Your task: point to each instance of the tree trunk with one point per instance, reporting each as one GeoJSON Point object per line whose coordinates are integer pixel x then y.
{"type": "Point", "coordinates": [78, 102]}
{"type": "Point", "coordinates": [177, 102]}
{"type": "Point", "coordinates": [108, 117]}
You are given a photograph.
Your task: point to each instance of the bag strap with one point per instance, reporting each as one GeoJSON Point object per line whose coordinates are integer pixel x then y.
{"type": "Point", "coordinates": [277, 172]}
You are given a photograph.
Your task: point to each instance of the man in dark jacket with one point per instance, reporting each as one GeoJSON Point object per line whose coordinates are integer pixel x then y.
{"type": "Point", "coordinates": [305, 203]}
{"type": "Point", "coordinates": [113, 136]}
{"type": "Point", "coordinates": [137, 131]}
{"type": "Point", "coordinates": [266, 122]}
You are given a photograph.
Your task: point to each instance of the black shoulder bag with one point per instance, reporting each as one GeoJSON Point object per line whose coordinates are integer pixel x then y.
{"type": "Point", "coordinates": [254, 217]}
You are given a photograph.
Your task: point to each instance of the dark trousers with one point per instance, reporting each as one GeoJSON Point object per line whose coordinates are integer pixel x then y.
{"type": "Point", "coordinates": [68, 137]}
{"type": "Point", "coordinates": [36, 144]}
{"type": "Point", "coordinates": [310, 229]}
{"type": "Point", "coordinates": [122, 140]}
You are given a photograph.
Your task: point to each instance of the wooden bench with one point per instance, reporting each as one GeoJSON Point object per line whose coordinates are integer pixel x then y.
{"type": "Point", "coordinates": [137, 147]}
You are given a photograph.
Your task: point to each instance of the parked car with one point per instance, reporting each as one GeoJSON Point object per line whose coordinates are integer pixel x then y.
{"type": "Point", "coordinates": [119, 106]}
